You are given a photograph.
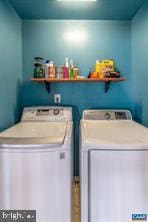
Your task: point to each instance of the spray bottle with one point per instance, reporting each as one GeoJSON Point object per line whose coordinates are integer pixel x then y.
{"type": "Point", "coordinates": [66, 68]}
{"type": "Point", "coordinates": [72, 75]}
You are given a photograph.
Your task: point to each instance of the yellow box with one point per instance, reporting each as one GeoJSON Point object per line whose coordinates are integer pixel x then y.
{"type": "Point", "coordinates": [104, 66]}
{"type": "Point", "coordinates": [109, 64]}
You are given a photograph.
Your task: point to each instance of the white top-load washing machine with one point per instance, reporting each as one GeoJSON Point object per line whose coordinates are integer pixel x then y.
{"type": "Point", "coordinates": [36, 164]}
{"type": "Point", "coordinates": [113, 167]}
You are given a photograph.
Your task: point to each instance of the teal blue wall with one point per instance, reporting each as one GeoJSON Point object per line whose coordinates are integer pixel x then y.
{"type": "Point", "coordinates": [10, 65]}
{"type": "Point", "coordinates": [140, 64]}
{"type": "Point", "coordinates": [104, 39]}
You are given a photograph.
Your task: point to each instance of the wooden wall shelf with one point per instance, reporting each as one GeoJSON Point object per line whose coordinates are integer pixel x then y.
{"type": "Point", "coordinates": [107, 81]}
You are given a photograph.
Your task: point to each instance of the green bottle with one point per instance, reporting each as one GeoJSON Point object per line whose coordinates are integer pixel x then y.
{"type": "Point", "coordinates": [71, 71]}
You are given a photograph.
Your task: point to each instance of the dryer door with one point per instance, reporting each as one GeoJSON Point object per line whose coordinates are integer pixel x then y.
{"type": "Point", "coordinates": [118, 185]}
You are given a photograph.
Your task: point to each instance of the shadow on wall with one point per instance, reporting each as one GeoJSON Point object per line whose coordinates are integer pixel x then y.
{"type": "Point", "coordinates": [17, 109]}
{"type": "Point", "coordinates": [10, 107]}
{"type": "Point", "coordinates": [137, 113]}
{"type": "Point", "coordinates": [76, 121]}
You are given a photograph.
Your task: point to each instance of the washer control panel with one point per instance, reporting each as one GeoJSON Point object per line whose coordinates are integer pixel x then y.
{"type": "Point", "coordinates": [107, 115]}
{"type": "Point", "coordinates": [51, 113]}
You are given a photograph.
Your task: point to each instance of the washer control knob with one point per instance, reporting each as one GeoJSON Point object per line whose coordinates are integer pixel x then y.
{"type": "Point", "coordinates": [56, 112]}
{"type": "Point", "coordinates": [107, 116]}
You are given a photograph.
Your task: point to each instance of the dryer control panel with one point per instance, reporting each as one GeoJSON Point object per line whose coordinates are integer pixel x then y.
{"type": "Point", "coordinates": [47, 113]}
{"type": "Point", "coordinates": [107, 115]}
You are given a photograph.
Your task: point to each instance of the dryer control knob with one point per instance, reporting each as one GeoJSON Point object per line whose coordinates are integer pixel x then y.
{"type": "Point", "coordinates": [107, 116]}
{"type": "Point", "coordinates": [56, 112]}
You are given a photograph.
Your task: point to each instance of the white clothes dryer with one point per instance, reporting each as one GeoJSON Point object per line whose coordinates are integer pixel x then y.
{"type": "Point", "coordinates": [113, 167]}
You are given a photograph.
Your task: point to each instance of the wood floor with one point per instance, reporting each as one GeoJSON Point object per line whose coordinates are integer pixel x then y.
{"type": "Point", "coordinates": [76, 201]}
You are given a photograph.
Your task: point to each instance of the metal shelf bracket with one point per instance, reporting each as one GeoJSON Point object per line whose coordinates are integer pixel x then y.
{"type": "Point", "coordinates": [47, 85]}
{"type": "Point", "coordinates": [107, 85]}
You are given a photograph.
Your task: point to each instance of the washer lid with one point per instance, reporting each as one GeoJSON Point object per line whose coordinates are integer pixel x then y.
{"type": "Point", "coordinates": [113, 134]}
{"type": "Point", "coordinates": [34, 134]}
